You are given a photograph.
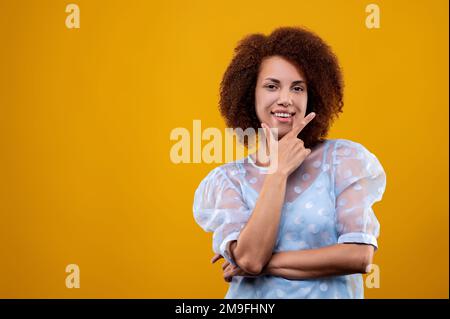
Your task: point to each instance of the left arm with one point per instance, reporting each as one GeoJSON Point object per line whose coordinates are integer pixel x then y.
{"type": "Point", "coordinates": [339, 259]}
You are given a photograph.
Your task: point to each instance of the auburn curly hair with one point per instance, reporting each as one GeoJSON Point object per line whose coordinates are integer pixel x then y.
{"type": "Point", "coordinates": [304, 49]}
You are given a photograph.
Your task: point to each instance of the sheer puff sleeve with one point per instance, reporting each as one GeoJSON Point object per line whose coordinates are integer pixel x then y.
{"type": "Point", "coordinates": [219, 208]}
{"type": "Point", "coordinates": [359, 181]}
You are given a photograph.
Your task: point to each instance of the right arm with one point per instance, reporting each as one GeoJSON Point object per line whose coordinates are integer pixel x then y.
{"type": "Point", "coordinates": [254, 247]}
{"type": "Point", "coordinates": [256, 241]}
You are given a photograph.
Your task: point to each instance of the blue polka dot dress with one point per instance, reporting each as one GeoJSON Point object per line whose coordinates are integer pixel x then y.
{"type": "Point", "coordinates": [329, 200]}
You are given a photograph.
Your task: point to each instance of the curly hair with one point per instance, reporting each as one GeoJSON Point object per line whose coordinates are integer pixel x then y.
{"type": "Point", "coordinates": [306, 51]}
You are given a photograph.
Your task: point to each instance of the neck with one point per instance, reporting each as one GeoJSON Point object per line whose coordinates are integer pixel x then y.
{"type": "Point", "coordinates": [257, 160]}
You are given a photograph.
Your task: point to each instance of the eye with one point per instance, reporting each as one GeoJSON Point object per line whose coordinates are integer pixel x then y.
{"type": "Point", "coordinates": [270, 86]}
{"type": "Point", "coordinates": [300, 89]}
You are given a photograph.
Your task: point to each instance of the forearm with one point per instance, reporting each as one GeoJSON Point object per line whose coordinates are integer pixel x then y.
{"type": "Point", "coordinates": [339, 259]}
{"type": "Point", "coordinates": [257, 239]}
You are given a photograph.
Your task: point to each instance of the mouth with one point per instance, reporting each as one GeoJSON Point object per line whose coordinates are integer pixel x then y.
{"type": "Point", "coordinates": [284, 117]}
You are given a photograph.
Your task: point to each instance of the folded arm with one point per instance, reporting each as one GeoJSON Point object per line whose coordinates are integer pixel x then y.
{"type": "Point", "coordinates": [339, 259]}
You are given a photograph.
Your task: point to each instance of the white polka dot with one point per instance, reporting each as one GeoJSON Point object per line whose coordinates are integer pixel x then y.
{"type": "Point", "coordinates": [320, 211]}
{"type": "Point", "coordinates": [349, 210]}
{"type": "Point", "coordinates": [317, 164]}
{"type": "Point", "coordinates": [306, 176]}
{"type": "Point", "coordinates": [298, 220]}
{"type": "Point", "coordinates": [289, 236]}
{"type": "Point", "coordinates": [323, 287]}
{"type": "Point", "coordinates": [280, 293]}
{"type": "Point", "coordinates": [325, 167]}
{"type": "Point", "coordinates": [342, 202]}
{"type": "Point", "coordinates": [348, 173]}
{"type": "Point", "coordinates": [297, 189]}
{"type": "Point", "coordinates": [357, 187]}
{"type": "Point", "coordinates": [233, 172]}
{"type": "Point", "coordinates": [253, 180]}
{"type": "Point", "coordinates": [313, 228]}
{"type": "Point", "coordinates": [309, 204]}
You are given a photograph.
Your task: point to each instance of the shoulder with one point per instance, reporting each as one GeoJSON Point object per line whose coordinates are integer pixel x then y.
{"type": "Point", "coordinates": [225, 174]}
{"type": "Point", "coordinates": [344, 147]}
{"type": "Point", "coordinates": [347, 153]}
{"type": "Point", "coordinates": [227, 170]}
{"type": "Point", "coordinates": [348, 150]}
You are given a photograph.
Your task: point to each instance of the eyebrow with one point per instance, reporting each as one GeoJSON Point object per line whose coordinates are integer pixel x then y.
{"type": "Point", "coordinates": [278, 81]}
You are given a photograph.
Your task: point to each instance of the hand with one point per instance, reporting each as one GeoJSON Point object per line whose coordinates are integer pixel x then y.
{"type": "Point", "coordinates": [216, 258]}
{"type": "Point", "coordinates": [229, 270]}
{"type": "Point", "coordinates": [291, 149]}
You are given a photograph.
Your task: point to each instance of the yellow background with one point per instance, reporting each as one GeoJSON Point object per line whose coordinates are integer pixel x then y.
{"type": "Point", "coordinates": [85, 118]}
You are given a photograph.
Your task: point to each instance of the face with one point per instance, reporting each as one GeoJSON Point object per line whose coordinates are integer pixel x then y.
{"type": "Point", "coordinates": [280, 94]}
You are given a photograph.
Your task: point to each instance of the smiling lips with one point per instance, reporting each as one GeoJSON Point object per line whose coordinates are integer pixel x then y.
{"type": "Point", "coordinates": [283, 116]}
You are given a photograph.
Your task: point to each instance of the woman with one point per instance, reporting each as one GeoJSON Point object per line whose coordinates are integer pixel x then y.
{"type": "Point", "coordinates": [306, 230]}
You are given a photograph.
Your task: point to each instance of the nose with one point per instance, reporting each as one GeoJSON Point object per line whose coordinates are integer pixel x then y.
{"type": "Point", "coordinates": [285, 98]}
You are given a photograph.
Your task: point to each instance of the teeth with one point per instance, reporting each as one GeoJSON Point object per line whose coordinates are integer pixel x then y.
{"type": "Point", "coordinates": [283, 114]}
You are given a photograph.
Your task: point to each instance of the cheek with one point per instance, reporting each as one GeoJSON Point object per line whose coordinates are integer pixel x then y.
{"type": "Point", "coordinates": [302, 102]}
{"type": "Point", "coordinates": [263, 102]}
{"type": "Point", "coordinates": [262, 114]}
{"type": "Point", "coordinates": [302, 99]}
